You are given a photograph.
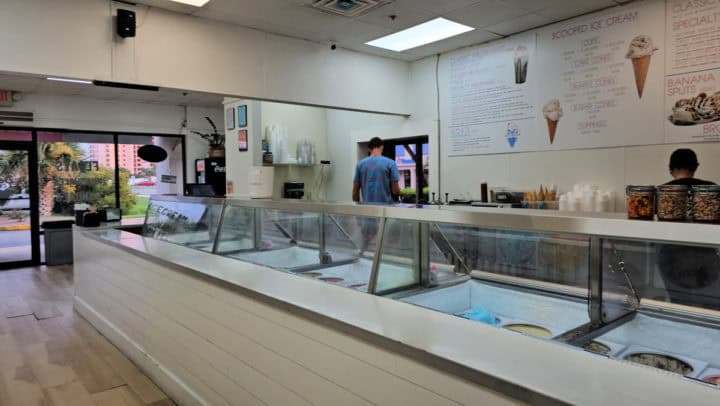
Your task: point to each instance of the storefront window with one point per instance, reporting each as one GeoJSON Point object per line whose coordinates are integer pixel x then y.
{"type": "Point", "coordinates": [75, 168]}
{"type": "Point", "coordinates": [82, 168]}
{"type": "Point", "coordinates": [143, 179]}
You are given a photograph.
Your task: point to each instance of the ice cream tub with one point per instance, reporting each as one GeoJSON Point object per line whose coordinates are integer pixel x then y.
{"type": "Point", "coordinates": [663, 360]}
{"type": "Point", "coordinates": [612, 349]}
{"type": "Point", "coordinates": [710, 375]}
{"type": "Point", "coordinates": [530, 329]}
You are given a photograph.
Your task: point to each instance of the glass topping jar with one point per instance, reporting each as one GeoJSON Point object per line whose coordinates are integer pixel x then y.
{"type": "Point", "coordinates": [640, 202]}
{"type": "Point", "coordinates": [672, 202]}
{"type": "Point", "coordinates": [706, 203]}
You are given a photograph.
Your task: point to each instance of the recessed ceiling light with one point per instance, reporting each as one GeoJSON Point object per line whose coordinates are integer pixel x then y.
{"type": "Point", "coordinates": [196, 3]}
{"type": "Point", "coordinates": [84, 82]}
{"type": "Point", "coordinates": [421, 34]}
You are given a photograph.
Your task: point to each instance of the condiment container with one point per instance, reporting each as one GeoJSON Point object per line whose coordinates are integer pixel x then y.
{"type": "Point", "coordinates": [672, 202]}
{"type": "Point", "coordinates": [563, 203]}
{"type": "Point", "coordinates": [587, 204]}
{"type": "Point", "coordinates": [602, 203]}
{"type": "Point", "coordinates": [640, 202]}
{"type": "Point", "coordinates": [706, 203]}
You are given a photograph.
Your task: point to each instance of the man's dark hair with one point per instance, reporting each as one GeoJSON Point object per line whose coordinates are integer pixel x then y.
{"type": "Point", "coordinates": [684, 158]}
{"type": "Point", "coordinates": [375, 142]}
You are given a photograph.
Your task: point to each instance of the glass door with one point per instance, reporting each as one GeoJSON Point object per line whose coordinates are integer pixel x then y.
{"type": "Point", "coordinates": [19, 236]}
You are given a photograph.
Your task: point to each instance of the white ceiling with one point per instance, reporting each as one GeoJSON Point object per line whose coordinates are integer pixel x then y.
{"type": "Point", "coordinates": [492, 19]}
{"type": "Point", "coordinates": [28, 84]}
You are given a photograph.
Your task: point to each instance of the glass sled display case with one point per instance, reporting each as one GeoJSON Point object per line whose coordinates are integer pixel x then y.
{"type": "Point", "coordinates": [642, 292]}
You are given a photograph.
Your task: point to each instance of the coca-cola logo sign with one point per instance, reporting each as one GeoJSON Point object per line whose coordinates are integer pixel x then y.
{"type": "Point", "coordinates": [6, 99]}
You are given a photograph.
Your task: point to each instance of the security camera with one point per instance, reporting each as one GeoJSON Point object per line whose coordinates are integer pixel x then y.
{"type": "Point", "coordinates": [333, 47]}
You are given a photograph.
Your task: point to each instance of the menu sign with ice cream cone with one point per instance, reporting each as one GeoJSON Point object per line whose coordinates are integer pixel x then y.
{"type": "Point", "coordinates": [692, 85]}
{"type": "Point", "coordinates": [596, 71]}
{"type": "Point", "coordinates": [492, 97]}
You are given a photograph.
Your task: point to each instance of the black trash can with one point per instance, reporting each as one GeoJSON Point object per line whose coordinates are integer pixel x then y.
{"type": "Point", "coordinates": [58, 242]}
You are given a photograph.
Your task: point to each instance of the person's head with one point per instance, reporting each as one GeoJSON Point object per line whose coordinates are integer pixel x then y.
{"type": "Point", "coordinates": [376, 146]}
{"type": "Point", "coordinates": [683, 163]}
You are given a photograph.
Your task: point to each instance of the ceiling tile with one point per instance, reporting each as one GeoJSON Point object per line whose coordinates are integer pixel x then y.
{"type": "Point", "coordinates": [438, 6]}
{"type": "Point", "coordinates": [564, 10]}
{"type": "Point", "coordinates": [534, 5]}
{"type": "Point", "coordinates": [351, 31]}
{"type": "Point", "coordinates": [485, 13]}
{"type": "Point", "coordinates": [296, 18]}
{"type": "Point", "coordinates": [471, 38]}
{"type": "Point", "coordinates": [406, 12]}
{"type": "Point", "coordinates": [519, 24]}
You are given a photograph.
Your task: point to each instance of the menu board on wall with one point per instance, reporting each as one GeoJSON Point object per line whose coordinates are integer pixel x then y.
{"type": "Point", "coordinates": [692, 85]}
{"type": "Point", "coordinates": [601, 80]}
{"type": "Point", "coordinates": [492, 97]}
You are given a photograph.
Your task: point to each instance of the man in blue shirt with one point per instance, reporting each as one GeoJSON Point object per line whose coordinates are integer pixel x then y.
{"type": "Point", "coordinates": [376, 176]}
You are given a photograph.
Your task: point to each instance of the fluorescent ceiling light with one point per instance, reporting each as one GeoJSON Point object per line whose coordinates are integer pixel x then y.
{"type": "Point", "coordinates": [422, 34]}
{"type": "Point", "coordinates": [84, 82]}
{"type": "Point", "coordinates": [196, 3]}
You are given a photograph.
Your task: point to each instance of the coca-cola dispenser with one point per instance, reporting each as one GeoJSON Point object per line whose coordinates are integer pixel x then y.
{"type": "Point", "coordinates": [211, 171]}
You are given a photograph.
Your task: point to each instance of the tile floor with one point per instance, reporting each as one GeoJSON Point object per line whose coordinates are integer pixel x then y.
{"type": "Point", "coordinates": [50, 356]}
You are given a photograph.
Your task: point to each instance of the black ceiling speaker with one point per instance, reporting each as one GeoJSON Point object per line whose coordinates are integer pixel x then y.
{"type": "Point", "coordinates": [152, 153]}
{"type": "Point", "coordinates": [125, 23]}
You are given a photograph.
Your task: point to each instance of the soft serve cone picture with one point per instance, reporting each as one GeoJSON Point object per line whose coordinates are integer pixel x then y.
{"type": "Point", "coordinates": [640, 53]}
{"type": "Point", "coordinates": [552, 112]}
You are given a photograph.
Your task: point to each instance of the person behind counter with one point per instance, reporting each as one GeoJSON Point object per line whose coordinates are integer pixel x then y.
{"type": "Point", "coordinates": [683, 164]}
{"type": "Point", "coordinates": [687, 271]}
{"type": "Point", "coordinates": [376, 177]}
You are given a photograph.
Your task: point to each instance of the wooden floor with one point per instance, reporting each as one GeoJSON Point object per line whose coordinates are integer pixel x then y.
{"type": "Point", "coordinates": [51, 356]}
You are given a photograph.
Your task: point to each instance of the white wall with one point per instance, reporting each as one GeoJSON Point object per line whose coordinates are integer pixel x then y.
{"type": "Point", "coordinates": [178, 51]}
{"type": "Point", "coordinates": [240, 163]}
{"type": "Point", "coordinates": [346, 129]}
{"type": "Point", "coordinates": [89, 114]}
{"type": "Point", "coordinates": [302, 124]}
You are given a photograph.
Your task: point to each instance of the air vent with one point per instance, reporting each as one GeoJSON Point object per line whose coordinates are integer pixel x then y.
{"type": "Point", "coordinates": [16, 117]}
{"type": "Point", "coordinates": [349, 8]}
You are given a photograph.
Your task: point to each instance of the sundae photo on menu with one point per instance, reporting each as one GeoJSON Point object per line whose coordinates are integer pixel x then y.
{"type": "Point", "coordinates": [640, 53]}
{"type": "Point", "coordinates": [700, 109]}
{"type": "Point", "coordinates": [552, 112]}
{"type": "Point", "coordinates": [521, 64]}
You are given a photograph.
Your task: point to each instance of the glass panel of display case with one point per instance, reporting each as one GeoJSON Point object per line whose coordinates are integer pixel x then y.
{"type": "Point", "coordinates": [191, 224]}
{"type": "Point", "coordinates": [288, 241]}
{"type": "Point", "coordinates": [399, 262]}
{"type": "Point", "coordinates": [671, 294]}
{"type": "Point", "coordinates": [237, 232]}
{"type": "Point", "coordinates": [532, 283]}
{"type": "Point", "coordinates": [347, 249]}
{"type": "Point", "coordinates": [337, 249]}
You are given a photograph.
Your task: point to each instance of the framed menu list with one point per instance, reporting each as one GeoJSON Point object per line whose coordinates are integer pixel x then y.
{"type": "Point", "coordinates": [492, 94]}
{"type": "Point", "coordinates": [601, 79]}
{"type": "Point", "coordinates": [692, 85]}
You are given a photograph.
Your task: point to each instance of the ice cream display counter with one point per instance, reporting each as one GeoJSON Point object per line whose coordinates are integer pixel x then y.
{"type": "Point", "coordinates": [647, 294]}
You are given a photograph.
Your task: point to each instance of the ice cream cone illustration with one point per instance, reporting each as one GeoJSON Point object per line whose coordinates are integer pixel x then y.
{"type": "Point", "coordinates": [640, 53]}
{"type": "Point", "coordinates": [552, 128]}
{"type": "Point", "coordinates": [552, 112]}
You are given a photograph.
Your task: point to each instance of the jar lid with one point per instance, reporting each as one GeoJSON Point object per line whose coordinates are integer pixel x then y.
{"type": "Point", "coordinates": [706, 188]}
{"type": "Point", "coordinates": [640, 188]}
{"type": "Point", "coordinates": [673, 188]}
